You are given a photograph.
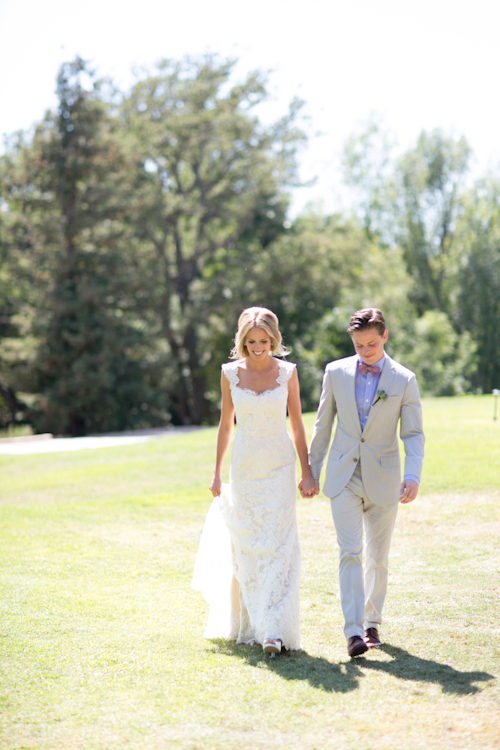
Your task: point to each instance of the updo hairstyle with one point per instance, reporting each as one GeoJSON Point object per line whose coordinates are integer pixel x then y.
{"type": "Point", "coordinates": [258, 317]}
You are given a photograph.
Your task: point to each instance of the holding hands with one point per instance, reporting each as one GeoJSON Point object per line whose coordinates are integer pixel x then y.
{"type": "Point", "coordinates": [308, 486]}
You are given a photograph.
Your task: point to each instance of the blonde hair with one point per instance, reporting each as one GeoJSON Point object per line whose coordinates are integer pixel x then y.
{"type": "Point", "coordinates": [258, 317]}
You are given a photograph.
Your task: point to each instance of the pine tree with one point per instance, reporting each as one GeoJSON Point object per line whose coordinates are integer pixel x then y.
{"type": "Point", "coordinates": [92, 364]}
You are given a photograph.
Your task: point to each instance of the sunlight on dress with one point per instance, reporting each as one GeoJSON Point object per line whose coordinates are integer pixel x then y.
{"type": "Point", "coordinates": [248, 562]}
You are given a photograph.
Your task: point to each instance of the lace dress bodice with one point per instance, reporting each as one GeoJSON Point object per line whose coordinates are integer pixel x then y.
{"type": "Point", "coordinates": [262, 442]}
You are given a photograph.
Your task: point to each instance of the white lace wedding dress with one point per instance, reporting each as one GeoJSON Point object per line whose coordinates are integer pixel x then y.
{"type": "Point", "coordinates": [248, 561]}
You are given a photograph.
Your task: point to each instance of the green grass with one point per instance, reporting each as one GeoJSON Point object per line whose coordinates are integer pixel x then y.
{"type": "Point", "coordinates": [102, 637]}
{"type": "Point", "coordinates": [463, 444]}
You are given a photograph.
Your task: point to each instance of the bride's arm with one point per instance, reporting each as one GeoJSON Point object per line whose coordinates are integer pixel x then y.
{"type": "Point", "coordinates": [226, 426]}
{"type": "Point", "coordinates": [307, 483]}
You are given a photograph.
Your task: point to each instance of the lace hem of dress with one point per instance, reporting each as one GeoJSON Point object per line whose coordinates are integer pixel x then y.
{"type": "Point", "coordinates": [234, 588]}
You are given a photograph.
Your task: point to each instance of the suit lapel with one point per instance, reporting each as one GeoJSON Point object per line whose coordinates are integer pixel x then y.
{"type": "Point", "coordinates": [383, 385]}
{"type": "Point", "coordinates": [350, 390]}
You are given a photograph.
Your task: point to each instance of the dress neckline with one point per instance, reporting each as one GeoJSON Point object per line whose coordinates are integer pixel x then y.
{"type": "Point", "coordinates": [259, 393]}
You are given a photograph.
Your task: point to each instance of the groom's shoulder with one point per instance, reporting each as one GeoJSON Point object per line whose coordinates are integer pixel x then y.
{"type": "Point", "coordinates": [340, 364]}
{"type": "Point", "coordinates": [400, 369]}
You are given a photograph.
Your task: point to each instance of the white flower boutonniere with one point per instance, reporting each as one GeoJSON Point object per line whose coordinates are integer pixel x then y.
{"type": "Point", "coordinates": [381, 396]}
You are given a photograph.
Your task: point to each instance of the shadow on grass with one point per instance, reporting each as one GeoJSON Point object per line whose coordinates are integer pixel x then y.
{"type": "Point", "coordinates": [344, 676]}
{"type": "Point", "coordinates": [298, 665]}
{"type": "Point", "coordinates": [408, 667]}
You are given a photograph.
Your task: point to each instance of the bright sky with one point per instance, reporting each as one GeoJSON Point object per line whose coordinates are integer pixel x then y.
{"type": "Point", "coordinates": [418, 65]}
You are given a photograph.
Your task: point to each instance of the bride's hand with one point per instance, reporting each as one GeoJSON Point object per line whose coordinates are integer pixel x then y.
{"type": "Point", "coordinates": [216, 486]}
{"type": "Point", "coordinates": [308, 487]}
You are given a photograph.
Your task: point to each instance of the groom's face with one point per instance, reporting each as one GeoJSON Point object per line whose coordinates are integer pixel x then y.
{"type": "Point", "coordinates": [369, 344]}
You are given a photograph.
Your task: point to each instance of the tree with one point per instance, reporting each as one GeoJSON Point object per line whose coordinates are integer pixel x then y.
{"type": "Point", "coordinates": [301, 276]}
{"type": "Point", "coordinates": [68, 189]}
{"type": "Point", "coordinates": [431, 177]}
{"type": "Point", "coordinates": [369, 163]}
{"type": "Point", "coordinates": [443, 360]}
{"type": "Point", "coordinates": [413, 202]}
{"type": "Point", "coordinates": [21, 275]}
{"type": "Point", "coordinates": [12, 347]}
{"type": "Point", "coordinates": [329, 268]}
{"type": "Point", "coordinates": [478, 309]}
{"type": "Point", "coordinates": [209, 190]}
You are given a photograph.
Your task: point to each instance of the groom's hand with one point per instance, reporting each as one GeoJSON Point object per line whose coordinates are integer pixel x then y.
{"type": "Point", "coordinates": [408, 491]}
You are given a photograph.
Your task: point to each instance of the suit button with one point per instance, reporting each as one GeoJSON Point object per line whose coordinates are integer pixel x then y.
{"type": "Point", "coordinates": [355, 460]}
{"type": "Point", "coordinates": [362, 440]}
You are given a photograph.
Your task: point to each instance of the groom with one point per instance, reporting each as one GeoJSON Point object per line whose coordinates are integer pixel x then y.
{"type": "Point", "coordinates": [369, 394]}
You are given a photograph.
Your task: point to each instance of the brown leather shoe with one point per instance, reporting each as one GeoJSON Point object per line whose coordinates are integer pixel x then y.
{"type": "Point", "coordinates": [372, 639]}
{"type": "Point", "coordinates": [356, 646]}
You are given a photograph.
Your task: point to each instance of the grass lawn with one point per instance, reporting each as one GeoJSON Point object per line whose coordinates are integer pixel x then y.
{"type": "Point", "coordinates": [102, 637]}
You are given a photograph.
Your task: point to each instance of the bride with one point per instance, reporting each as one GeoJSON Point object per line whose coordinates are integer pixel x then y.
{"type": "Point", "coordinates": [248, 562]}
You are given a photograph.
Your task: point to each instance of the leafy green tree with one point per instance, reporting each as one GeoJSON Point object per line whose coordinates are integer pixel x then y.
{"type": "Point", "coordinates": [443, 360]}
{"type": "Point", "coordinates": [301, 277]}
{"type": "Point", "coordinates": [21, 271]}
{"type": "Point", "coordinates": [12, 407]}
{"type": "Point", "coordinates": [378, 278]}
{"type": "Point", "coordinates": [478, 310]}
{"type": "Point", "coordinates": [431, 178]}
{"type": "Point", "coordinates": [67, 190]}
{"type": "Point", "coordinates": [413, 202]}
{"type": "Point", "coordinates": [315, 277]}
{"type": "Point", "coordinates": [208, 185]}
{"type": "Point", "coordinates": [369, 166]}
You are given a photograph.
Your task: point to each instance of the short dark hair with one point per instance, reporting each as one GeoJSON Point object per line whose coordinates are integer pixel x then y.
{"type": "Point", "coordinates": [371, 317]}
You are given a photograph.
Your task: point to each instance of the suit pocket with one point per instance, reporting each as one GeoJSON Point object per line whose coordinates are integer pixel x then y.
{"type": "Point", "coordinates": [335, 455]}
{"type": "Point", "coordinates": [390, 461]}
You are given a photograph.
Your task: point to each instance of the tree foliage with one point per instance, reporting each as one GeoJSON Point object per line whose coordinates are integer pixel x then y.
{"type": "Point", "coordinates": [22, 276]}
{"type": "Point", "coordinates": [430, 177]}
{"type": "Point", "coordinates": [208, 183]}
{"type": "Point", "coordinates": [478, 310]}
{"type": "Point", "coordinates": [67, 196]}
{"type": "Point", "coordinates": [415, 201]}
{"type": "Point", "coordinates": [137, 211]}
{"type": "Point", "coordinates": [135, 227]}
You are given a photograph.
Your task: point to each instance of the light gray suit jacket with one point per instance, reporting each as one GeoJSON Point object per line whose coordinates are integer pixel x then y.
{"type": "Point", "coordinates": [377, 445]}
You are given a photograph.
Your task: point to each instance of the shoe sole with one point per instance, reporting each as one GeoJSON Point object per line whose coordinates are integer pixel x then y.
{"type": "Point", "coordinates": [272, 649]}
{"type": "Point", "coordinates": [371, 642]}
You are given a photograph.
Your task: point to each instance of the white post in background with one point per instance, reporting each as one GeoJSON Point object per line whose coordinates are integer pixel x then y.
{"type": "Point", "coordinates": [496, 393]}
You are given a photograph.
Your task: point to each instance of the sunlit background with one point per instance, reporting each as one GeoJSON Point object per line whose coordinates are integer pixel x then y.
{"type": "Point", "coordinates": [416, 65]}
{"type": "Point", "coordinates": [135, 227]}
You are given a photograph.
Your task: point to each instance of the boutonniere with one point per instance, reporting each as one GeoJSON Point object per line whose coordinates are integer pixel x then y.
{"type": "Point", "coordinates": [381, 396]}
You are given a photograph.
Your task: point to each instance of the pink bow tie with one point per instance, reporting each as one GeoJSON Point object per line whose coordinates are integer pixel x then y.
{"type": "Point", "coordinates": [363, 368]}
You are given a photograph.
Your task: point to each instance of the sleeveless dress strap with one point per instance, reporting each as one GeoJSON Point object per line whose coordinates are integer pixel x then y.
{"type": "Point", "coordinates": [286, 372]}
{"type": "Point", "coordinates": [230, 370]}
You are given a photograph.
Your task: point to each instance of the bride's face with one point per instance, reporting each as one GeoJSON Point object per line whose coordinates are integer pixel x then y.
{"type": "Point", "coordinates": [258, 344]}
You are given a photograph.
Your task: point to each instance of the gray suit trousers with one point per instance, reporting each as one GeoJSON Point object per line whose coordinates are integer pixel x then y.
{"type": "Point", "coordinates": [362, 596]}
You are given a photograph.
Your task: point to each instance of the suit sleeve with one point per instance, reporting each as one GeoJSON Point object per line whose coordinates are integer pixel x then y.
{"type": "Point", "coordinates": [411, 430]}
{"type": "Point", "coordinates": [323, 426]}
